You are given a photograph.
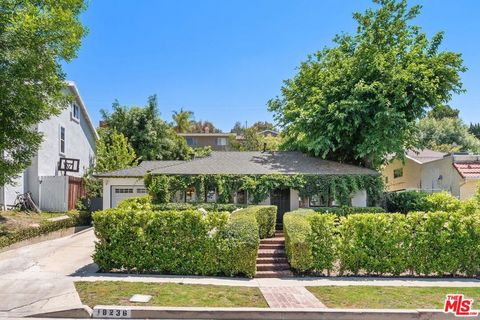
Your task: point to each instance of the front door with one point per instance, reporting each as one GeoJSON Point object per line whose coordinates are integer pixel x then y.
{"type": "Point", "coordinates": [281, 199]}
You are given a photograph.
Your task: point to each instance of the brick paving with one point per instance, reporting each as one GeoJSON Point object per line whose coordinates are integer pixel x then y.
{"type": "Point", "coordinates": [290, 297]}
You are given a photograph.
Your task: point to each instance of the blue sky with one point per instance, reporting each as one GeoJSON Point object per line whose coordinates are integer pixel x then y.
{"type": "Point", "coordinates": [224, 59]}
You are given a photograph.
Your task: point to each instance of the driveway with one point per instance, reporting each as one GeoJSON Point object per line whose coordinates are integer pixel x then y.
{"type": "Point", "coordinates": [37, 278]}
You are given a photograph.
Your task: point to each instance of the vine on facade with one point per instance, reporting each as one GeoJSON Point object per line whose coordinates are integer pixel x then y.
{"type": "Point", "coordinates": [162, 188]}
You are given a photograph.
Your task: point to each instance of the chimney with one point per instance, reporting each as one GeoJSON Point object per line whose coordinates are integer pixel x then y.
{"type": "Point", "coordinates": [102, 124]}
{"type": "Point", "coordinates": [206, 129]}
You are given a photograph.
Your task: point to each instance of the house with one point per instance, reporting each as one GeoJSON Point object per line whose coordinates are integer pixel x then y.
{"type": "Point", "coordinates": [127, 183]}
{"type": "Point", "coordinates": [266, 133]}
{"type": "Point", "coordinates": [432, 171]}
{"type": "Point", "coordinates": [218, 141]}
{"type": "Point", "coordinates": [69, 135]}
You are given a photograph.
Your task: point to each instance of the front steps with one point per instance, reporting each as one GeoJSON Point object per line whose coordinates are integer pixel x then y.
{"type": "Point", "coordinates": [272, 260]}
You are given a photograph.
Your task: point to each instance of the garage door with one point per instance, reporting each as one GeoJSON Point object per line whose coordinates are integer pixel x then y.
{"type": "Point", "coordinates": [120, 193]}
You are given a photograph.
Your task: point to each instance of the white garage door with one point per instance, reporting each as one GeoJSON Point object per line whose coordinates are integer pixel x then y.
{"type": "Point", "coordinates": [120, 193]}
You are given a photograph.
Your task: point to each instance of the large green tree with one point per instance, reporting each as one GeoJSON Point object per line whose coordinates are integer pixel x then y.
{"type": "Point", "coordinates": [447, 134]}
{"type": "Point", "coordinates": [113, 152]}
{"type": "Point", "coordinates": [358, 102]}
{"type": "Point", "coordinates": [182, 120]}
{"type": "Point", "coordinates": [35, 37]}
{"type": "Point", "coordinates": [150, 136]}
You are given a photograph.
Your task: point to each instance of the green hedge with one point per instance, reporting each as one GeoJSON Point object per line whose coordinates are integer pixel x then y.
{"type": "Point", "coordinates": [76, 219]}
{"type": "Point", "coordinates": [436, 243]}
{"type": "Point", "coordinates": [406, 201]}
{"type": "Point", "coordinates": [145, 202]}
{"type": "Point", "coordinates": [176, 242]}
{"type": "Point", "coordinates": [266, 217]}
{"type": "Point", "coordinates": [344, 211]}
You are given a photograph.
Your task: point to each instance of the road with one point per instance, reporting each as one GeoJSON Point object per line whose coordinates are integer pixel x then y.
{"type": "Point", "coordinates": [37, 278]}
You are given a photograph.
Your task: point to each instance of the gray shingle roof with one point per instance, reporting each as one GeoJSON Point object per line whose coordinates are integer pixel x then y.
{"type": "Point", "coordinates": [425, 155]}
{"type": "Point", "coordinates": [231, 162]}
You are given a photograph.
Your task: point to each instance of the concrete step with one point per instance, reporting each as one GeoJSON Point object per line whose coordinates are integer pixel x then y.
{"type": "Point", "coordinates": [272, 260]}
{"type": "Point", "coordinates": [273, 240]}
{"type": "Point", "coordinates": [272, 246]}
{"type": "Point", "coordinates": [274, 274]}
{"type": "Point", "coordinates": [268, 253]}
{"type": "Point", "coordinates": [273, 266]}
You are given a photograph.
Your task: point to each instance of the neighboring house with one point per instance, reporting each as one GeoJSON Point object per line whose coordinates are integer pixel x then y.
{"type": "Point", "coordinates": [272, 133]}
{"type": "Point", "coordinates": [218, 141]}
{"type": "Point", "coordinates": [71, 134]}
{"type": "Point", "coordinates": [127, 183]}
{"type": "Point", "coordinates": [432, 171]}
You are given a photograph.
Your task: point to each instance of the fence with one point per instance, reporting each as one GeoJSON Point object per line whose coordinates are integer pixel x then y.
{"type": "Point", "coordinates": [76, 191]}
{"type": "Point", "coordinates": [60, 193]}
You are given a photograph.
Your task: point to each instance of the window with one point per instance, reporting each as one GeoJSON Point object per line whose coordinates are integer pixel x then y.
{"type": "Point", "coordinates": [242, 197]}
{"type": "Point", "coordinates": [75, 111]}
{"type": "Point", "coordinates": [190, 195]}
{"type": "Point", "coordinates": [123, 190]}
{"type": "Point", "coordinates": [191, 141]}
{"type": "Point", "coordinates": [319, 200]}
{"type": "Point", "coordinates": [211, 196]}
{"type": "Point", "coordinates": [141, 190]}
{"type": "Point", "coordinates": [221, 141]}
{"type": "Point", "coordinates": [62, 140]}
{"type": "Point", "coordinates": [397, 173]}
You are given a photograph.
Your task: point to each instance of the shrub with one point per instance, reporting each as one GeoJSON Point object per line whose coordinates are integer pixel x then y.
{"type": "Point", "coordinates": [404, 202]}
{"type": "Point", "coordinates": [176, 242]}
{"type": "Point", "coordinates": [434, 243]}
{"type": "Point", "coordinates": [266, 217]}
{"type": "Point", "coordinates": [189, 206]}
{"type": "Point", "coordinates": [441, 201]}
{"type": "Point", "coordinates": [298, 240]}
{"type": "Point", "coordinates": [374, 243]}
{"type": "Point", "coordinates": [136, 203]}
{"type": "Point", "coordinates": [344, 211]}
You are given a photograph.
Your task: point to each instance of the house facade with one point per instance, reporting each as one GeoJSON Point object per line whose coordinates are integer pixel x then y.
{"type": "Point", "coordinates": [122, 184]}
{"type": "Point", "coordinates": [71, 134]}
{"type": "Point", "coordinates": [432, 171]}
{"type": "Point", "coordinates": [218, 141]}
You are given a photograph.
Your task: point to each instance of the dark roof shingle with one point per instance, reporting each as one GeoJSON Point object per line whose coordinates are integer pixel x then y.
{"type": "Point", "coordinates": [232, 162]}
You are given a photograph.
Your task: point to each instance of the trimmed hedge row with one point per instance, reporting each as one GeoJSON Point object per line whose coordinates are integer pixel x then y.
{"type": "Point", "coordinates": [344, 211]}
{"type": "Point", "coordinates": [176, 242]}
{"type": "Point", "coordinates": [76, 219]}
{"type": "Point", "coordinates": [437, 243]}
{"type": "Point", "coordinates": [145, 202]}
{"type": "Point", "coordinates": [266, 217]}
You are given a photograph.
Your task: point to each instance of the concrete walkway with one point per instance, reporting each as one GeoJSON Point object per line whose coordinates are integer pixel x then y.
{"type": "Point", "coordinates": [37, 278]}
{"type": "Point", "coordinates": [290, 297]}
{"type": "Point", "coordinates": [286, 282]}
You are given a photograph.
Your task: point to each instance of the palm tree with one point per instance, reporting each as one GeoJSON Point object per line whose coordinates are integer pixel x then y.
{"type": "Point", "coordinates": [182, 120]}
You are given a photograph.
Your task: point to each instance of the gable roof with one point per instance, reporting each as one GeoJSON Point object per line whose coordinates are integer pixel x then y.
{"type": "Point", "coordinates": [73, 88]}
{"type": "Point", "coordinates": [424, 155]}
{"type": "Point", "coordinates": [236, 162]}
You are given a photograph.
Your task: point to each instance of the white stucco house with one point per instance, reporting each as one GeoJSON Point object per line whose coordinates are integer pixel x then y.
{"type": "Point", "coordinates": [122, 184]}
{"type": "Point", "coordinates": [433, 171]}
{"type": "Point", "coordinates": [71, 134]}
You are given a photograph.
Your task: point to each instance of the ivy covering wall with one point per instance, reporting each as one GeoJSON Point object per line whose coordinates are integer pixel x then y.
{"type": "Point", "coordinates": [338, 187]}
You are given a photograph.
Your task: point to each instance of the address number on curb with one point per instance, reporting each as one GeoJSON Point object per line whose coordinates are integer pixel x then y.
{"type": "Point", "coordinates": [112, 313]}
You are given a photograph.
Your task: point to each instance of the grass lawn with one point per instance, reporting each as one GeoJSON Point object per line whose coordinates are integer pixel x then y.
{"type": "Point", "coordinates": [12, 221]}
{"type": "Point", "coordinates": [364, 297]}
{"type": "Point", "coordinates": [169, 294]}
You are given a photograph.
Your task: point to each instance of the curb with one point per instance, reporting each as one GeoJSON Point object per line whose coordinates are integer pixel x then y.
{"type": "Point", "coordinates": [82, 313]}
{"type": "Point", "coordinates": [133, 312]}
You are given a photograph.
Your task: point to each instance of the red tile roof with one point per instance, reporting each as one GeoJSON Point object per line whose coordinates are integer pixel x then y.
{"type": "Point", "coordinates": [468, 169]}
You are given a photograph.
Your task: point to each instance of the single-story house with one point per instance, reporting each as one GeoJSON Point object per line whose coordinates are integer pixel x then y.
{"type": "Point", "coordinates": [126, 183]}
{"type": "Point", "coordinates": [433, 171]}
{"type": "Point", "coordinates": [68, 135]}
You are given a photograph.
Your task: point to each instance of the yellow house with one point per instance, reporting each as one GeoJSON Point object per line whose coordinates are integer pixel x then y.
{"type": "Point", "coordinates": [432, 171]}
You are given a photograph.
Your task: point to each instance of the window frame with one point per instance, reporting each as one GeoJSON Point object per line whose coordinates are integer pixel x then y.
{"type": "Point", "coordinates": [62, 140]}
{"type": "Point", "coordinates": [75, 112]}
{"type": "Point", "coordinates": [221, 141]}
{"type": "Point", "coordinates": [397, 173]}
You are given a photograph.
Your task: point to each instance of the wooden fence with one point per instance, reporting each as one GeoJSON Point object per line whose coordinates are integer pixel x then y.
{"type": "Point", "coordinates": [76, 190]}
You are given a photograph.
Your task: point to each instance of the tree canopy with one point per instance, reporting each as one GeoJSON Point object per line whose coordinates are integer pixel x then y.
{"type": "Point", "coordinates": [182, 120]}
{"type": "Point", "coordinates": [113, 152]}
{"type": "Point", "coordinates": [150, 136]}
{"type": "Point", "coordinates": [35, 37]}
{"type": "Point", "coordinates": [447, 134]}
{"type": "Point", "coordinates": [358, 102]}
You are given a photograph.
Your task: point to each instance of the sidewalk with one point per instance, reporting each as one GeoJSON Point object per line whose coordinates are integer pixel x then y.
{"type": "Point", "coordinates": [286, 282]}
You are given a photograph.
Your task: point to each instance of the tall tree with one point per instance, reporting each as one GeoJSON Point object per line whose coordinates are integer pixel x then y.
{"type": "Point", "coordinates": [237, 128]}
{"type": "Point", "coordinates": [113, 152]}
{"type": "Point", "coordinates": [263, 125]}
{"type": "Point", "coordinates": [358, 101]}
{"type": "Point", "coordinates": [151, 137]}
{"type": "Point", "coordinates": [182, 120]}
{"type": "Point", "coordinates": [35, 37]}
{"type": "Point", "coordinates": [447, 135]}
{"type": "Point", "coordinates": [475, 129]}
{"type": "Point", "coordinates": [199, 127]}
{"type": "Point", "coordinates": [443, 111]}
